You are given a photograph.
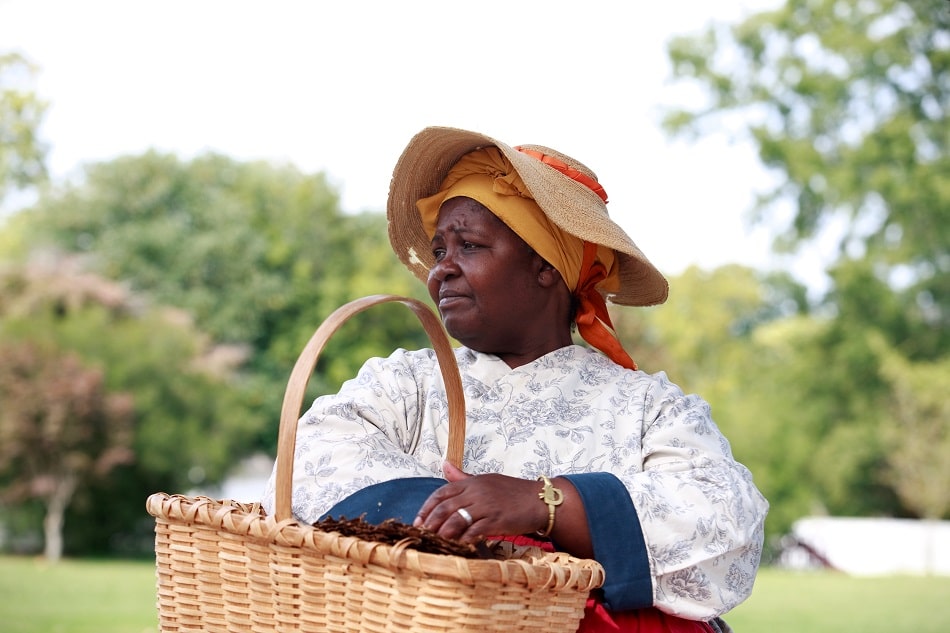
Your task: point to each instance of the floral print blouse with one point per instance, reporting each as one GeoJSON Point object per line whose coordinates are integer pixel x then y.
{"type": "Point", "coordinates": [694, 517]}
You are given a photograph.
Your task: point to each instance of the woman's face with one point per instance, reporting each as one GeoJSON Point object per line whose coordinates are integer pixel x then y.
{"type": "Point", "coordinates": [485, 281]}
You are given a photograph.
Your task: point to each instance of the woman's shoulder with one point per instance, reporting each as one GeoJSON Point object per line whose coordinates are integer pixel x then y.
{"type": "Point", "coordinates": [401, 360]}
{"type": "Point", "coordinates": [594, 366]}
{"type": "Point", "coordinates": [580, 358]}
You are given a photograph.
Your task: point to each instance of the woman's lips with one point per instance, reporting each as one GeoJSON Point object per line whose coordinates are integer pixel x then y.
{"type": "Point", "coordinates": [448, 300]}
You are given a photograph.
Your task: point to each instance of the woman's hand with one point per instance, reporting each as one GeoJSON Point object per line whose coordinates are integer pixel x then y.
{"type": "Point", "coordinates": [498, 505]}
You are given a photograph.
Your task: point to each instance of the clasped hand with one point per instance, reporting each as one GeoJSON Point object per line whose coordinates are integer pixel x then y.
{"type": "Point", "coordinates": [498, 505]}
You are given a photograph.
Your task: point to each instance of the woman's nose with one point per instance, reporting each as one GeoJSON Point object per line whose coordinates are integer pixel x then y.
{"type": "Point", "coordinates": [444, 268]}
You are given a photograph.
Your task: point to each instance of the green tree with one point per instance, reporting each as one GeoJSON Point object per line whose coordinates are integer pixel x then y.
{"type": "Point", "coordinates": [22, 154]}
{"type": "Point", "coordinates": [918, 432]}
{"type": "Point", "coordinates": [708, 320]}
{"type": "Point", "coordinates": [819, 393]}
{"type": "Point", "coordinates": [58, 429]}
{"type": "Point", "coordinates": [230, 243]}
{"type": "Point", "coordinates": [189, 417]}
{"type": "Point", "coordinates": [848, 104]}
{"type": "Point", "coordinates": [258, 254]}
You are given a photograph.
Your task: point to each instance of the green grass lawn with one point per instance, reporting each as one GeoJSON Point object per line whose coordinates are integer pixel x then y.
{"type": "Point", "coordinates": [826, 602]}
{"type": "Point", "coordinates": [119, 597]}
{"type": "Point", "coordinates": [77, 596]}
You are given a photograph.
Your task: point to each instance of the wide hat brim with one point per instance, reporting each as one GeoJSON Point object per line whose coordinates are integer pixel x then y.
{"type": "Point", "coordinates": [572, 206]}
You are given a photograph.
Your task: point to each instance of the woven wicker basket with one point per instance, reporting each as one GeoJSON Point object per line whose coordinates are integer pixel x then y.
{"type": "Point", "coordinates": [223, 566]}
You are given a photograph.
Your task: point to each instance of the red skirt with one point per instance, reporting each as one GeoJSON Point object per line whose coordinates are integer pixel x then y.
{"type": "Point", "coordinates": [598, 619]}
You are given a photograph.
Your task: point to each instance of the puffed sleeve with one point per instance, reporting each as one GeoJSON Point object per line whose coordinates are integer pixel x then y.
{"type": "Point", "coordinates": [367, 433]}
{"type": "Point", "coordinates": [681, 527]}
{"type": "Point", "coordinates": [701, 516]}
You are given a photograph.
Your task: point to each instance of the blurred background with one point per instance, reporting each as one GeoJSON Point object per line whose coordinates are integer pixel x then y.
{"type": "Point", "coordinates": [187, 189]}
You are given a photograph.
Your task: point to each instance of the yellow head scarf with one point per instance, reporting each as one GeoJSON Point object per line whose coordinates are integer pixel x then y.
{"type": "Point", "coordinates": [485, 175]}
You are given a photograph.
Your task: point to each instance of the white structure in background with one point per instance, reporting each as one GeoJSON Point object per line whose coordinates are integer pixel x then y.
{"type": "Point", "coordinates": [869, 547]}
{"type": "Point", "coordinates": [245, 483]}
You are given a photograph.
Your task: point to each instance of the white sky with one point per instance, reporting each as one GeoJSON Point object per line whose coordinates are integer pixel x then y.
{"type": "Point", "coordinates": [341, 87]}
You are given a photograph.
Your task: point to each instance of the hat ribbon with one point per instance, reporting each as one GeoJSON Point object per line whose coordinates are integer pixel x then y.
{"type": "Point", "coordinates": [567, 170]}
{"type": "Point", "coordinates": [593, 320]}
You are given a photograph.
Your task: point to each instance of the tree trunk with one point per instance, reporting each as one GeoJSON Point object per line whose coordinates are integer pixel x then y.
{"type": "Point", "coordinates": [55, 514]}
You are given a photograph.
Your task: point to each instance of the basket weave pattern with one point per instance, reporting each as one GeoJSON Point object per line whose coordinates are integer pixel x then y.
{"type": "Point", "coordinates": [224, 566]}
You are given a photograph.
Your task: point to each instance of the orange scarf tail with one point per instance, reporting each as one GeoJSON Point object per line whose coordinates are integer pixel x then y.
{"type": "Point", "coordinates": [593, 320]}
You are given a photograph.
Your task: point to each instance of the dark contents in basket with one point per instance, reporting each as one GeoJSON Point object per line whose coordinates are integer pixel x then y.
{"type": "Point", "coordinates": [392, 532]}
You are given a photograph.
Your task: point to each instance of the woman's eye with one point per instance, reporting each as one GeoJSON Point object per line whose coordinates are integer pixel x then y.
{"type": "Point", "coordinates": [438, 253]}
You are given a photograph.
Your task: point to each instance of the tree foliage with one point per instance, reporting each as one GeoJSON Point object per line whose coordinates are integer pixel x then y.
{"type": "Point", "coordinates": [59, 427]}
{"type": "Point", "coordinates": [22, 154]}
{"type": "Point", "coordinates": [248, 258]}
{"type": "Point", "coordinates": [257, 254]}
{"type": "Point", "coordinates": [188, 406]}
{"type": "Point", "coordinates": [849, 105]}
{"type": "Point", "coordinates": [917, 464]}
{"type": "Point", "coordinates": [830, 418]}
{"type": "Point", "coordinates": [101, 375]}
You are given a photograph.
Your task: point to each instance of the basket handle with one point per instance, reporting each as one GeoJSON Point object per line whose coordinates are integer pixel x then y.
{"type": "Point", "coordinates": [307, 361]}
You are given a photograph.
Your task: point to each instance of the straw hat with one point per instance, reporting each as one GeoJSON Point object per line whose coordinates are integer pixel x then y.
{"type": "Point", "coordinates": [571, 205]}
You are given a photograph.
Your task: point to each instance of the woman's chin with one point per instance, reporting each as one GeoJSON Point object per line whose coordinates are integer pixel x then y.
{"type": "Point", "coordinates": [458, 329]}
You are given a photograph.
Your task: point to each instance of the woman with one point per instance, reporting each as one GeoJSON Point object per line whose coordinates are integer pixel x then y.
{"type": "Point", "coordinates": [569, 443]}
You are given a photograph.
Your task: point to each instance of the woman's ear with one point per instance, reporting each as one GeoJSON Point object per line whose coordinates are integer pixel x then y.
{"type": "Point", "coordinates": [548, 275]}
